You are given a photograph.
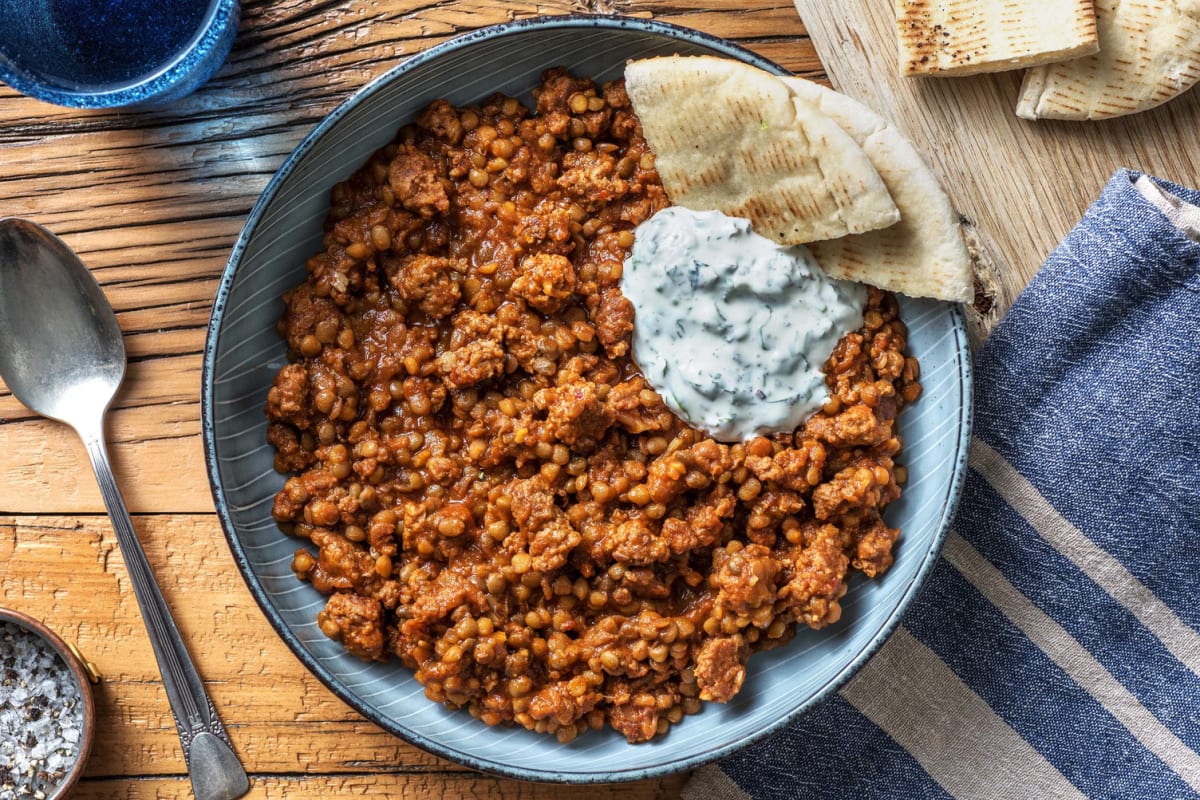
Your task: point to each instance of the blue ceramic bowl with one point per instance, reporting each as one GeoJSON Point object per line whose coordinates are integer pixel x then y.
{"type": "Point", "coordinates": [243, 354]}
{"type": "Point", "coordinates": [104, 54]}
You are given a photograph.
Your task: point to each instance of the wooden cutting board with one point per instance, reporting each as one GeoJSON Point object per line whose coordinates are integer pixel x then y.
{"type": "Point", "coordinates": [1019, 185]}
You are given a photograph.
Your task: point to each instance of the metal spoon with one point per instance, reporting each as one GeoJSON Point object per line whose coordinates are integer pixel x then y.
{"type": "Point", "coordinates": [62, 355]}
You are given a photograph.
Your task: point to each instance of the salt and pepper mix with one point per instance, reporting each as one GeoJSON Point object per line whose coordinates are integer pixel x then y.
{"type": "Point", "coordinates": [41, 716]}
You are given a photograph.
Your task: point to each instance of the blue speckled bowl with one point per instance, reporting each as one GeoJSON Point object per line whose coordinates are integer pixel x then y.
{"type": "Point", "coordinates": [243, 354]}
{"type": "Point", "coordinates": [110, 53]}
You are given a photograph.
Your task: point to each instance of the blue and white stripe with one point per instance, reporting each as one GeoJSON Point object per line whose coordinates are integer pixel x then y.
{"type": "Point", "coordinates": [1055, 650]}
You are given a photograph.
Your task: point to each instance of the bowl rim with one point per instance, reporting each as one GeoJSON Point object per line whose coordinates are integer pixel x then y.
{"type": "Point", "coordinates": [607, 774]}
{"type": "Point", "coordinates": [206, 42]}
{"type": "Point", "coordinates": [56, 642]}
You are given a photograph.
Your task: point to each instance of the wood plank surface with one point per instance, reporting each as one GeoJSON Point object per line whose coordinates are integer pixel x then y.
{"type": "Point", "coordinates": [1019, 185]}
{"type": "Point", "coordinates": [153, 201]}
{"type": "Point", "coordinates": [409, 786]}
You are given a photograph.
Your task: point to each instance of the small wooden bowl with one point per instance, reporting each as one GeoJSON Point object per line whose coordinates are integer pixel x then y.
{"type": "Point", "coordinates": [85, 675]}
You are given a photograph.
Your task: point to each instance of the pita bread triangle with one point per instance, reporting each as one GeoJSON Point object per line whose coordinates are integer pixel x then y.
{"type": "Point", "coordinates": [964, 37]}
{"type": "Point", "coordinates": [730, 137]}
{"type": "Point", "coordinates": [923, 255]}
{"type": "Point", "coordinates": [1149, 54]}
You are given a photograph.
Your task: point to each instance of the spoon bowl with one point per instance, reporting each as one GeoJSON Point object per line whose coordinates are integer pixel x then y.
{"type": "Point", "coordinates": [63, 356]}
{"type": "Point", "coordinates": [63, 351]}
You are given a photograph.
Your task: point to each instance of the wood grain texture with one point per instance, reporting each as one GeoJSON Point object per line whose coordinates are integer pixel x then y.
{"type": "Point", "coordinates": [153, 201]}
{"type": "Point", "coordinates": [1019, 185]}
{"type": "Point", "coordinates": [400, 786]}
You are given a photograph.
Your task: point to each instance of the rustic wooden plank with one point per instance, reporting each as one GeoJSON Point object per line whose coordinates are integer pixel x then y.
{"type": "Point", "coordinates": [1021, 185]}
{"type": "Point", "coordinates": [402, 786]}
{"type": "Point", "coordinates": [156, 453]}
{"type": "Point", "coordinates": [48, 471]}
{"type": "Point", "coordinates": [154, 437]}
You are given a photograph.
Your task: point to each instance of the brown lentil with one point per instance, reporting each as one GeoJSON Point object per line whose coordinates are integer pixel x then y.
{"type": "Point", "coordinates": [496, 497]}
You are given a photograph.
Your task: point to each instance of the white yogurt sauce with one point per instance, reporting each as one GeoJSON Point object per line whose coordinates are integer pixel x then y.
{"type": "Point", "coordinates": [730, 328]}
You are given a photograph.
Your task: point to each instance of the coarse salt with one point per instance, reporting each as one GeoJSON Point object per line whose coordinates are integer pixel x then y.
{"type": "Point", "coordinates": [41, 716]}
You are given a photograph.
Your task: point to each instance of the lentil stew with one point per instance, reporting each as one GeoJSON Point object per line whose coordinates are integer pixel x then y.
{"type": "Point", "coordinates": [496, 497]}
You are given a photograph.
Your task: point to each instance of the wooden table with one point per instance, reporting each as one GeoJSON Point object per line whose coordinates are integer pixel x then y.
{"type": "Point", "coordinates": [153, 201]}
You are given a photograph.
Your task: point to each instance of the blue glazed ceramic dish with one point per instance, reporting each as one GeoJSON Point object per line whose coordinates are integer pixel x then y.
{"type": "Point", "coordinates": [243, 353]}
{"type": "Point", "coordinates": [88, 54]}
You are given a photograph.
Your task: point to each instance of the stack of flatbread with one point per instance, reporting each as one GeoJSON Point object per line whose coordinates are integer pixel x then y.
{"type": "Point", "coordinates": [965, 37]}
{"type": "Point", "coordinates": [1149, 54]}
{"type": "Point", "coordinates": [1087, 59]}
{"type": "Point", "coordinates": [805, 165]}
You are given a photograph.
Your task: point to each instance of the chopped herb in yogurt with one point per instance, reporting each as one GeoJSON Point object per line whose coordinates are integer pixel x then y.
{"type": "Point", "coordinates": [730, 328]}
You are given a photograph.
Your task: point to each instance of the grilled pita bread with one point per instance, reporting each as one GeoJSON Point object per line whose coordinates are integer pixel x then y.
{"type": "Point", "coordinates": [964, 37]}
{"type": "Point", "coordinates": [1149, 54]}
{"type": "Point", "coordinates": [923, 255]}
{"type": "Point", "coordinates": [732, 138]}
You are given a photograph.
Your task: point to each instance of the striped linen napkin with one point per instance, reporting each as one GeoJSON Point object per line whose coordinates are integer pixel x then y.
{"type": "Point", "coordinates": [1054, 652]}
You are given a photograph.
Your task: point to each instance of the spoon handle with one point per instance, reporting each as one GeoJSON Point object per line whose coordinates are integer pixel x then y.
{"type": "Point", "coordinates": [215, 771]}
